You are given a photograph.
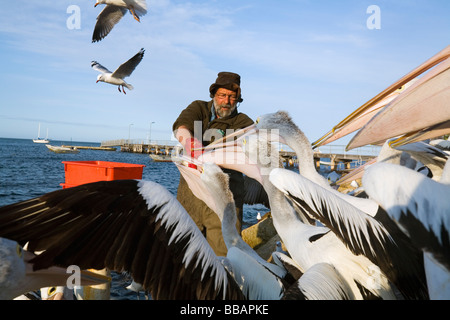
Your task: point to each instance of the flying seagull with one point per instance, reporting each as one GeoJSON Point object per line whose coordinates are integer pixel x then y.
{"type": "Point", "coordinates": [124, 70]}
{"type": "Point", "coordinates": [113, 12]}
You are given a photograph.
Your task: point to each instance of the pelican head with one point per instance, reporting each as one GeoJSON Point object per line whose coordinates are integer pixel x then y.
{"type": "Point", "coordinates": [280, 121]}
{"type": "Point", "coordinates": [18, 275]}
{"type": "Point", "coordinates": [12, 265]}
{"type": "Point", "coordinates": [291, 135]}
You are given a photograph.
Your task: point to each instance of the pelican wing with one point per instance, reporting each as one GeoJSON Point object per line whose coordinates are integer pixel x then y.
{"type": "Point", "coordinates": [418, 204]}
{"type": "Point", "coordinates": [127, 68]}
{"type": "Point", "coordinates": [320, 282]}
{"type": "Point", "coordinates": [106, 20]}
{"type": "Point", "coordinates": [350, 224]}
{"type": "Point", "coordinates": [432, 157]}
{"type": "Point", "coordinates": [256, 281]}
{"type": "Point", "coordinates": [374, 237]}
{"type": "Point", "coordinates": [98, 67]}
{"type": "Point", "coordinates": [124, 225]}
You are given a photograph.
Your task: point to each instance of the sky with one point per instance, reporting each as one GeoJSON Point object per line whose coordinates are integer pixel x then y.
{"type": "Point", "coordinates": [318, 60]}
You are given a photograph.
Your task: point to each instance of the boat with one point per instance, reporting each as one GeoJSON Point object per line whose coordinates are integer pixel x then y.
{"type": "Point", "coordinates": [61, 149]}
{"type": "Point", "coordinates": [39, 139]}
{"type": "Point", "coordinates": [161, 157]}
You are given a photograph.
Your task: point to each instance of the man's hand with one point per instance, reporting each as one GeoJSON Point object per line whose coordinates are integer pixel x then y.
{"type": "Point", "coordinates": [193, 147]}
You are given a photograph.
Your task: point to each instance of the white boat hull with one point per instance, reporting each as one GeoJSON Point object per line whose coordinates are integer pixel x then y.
{"type": "Point", "coordinates": [57, 149]}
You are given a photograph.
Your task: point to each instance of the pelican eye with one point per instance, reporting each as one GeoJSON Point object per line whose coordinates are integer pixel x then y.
{"type": "Point", "coordinates": [19, 250]}
{"type": "Point", "coordinates": [51, 291]}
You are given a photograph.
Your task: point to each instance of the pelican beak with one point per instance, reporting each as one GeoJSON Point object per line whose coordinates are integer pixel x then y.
{"type": "Point", "coordinates": [231, 139]}
{"type": "Point", "coordinates": [97, 81]}
{"type": "Point", "coordinates": [188, 162]}
{"type": "Point", "coordinates": [96, 4]}
{"type": "Point", "coordinates": [361, 116]}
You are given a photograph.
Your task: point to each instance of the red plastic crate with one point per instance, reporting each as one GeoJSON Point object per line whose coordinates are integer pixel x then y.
{"type": "Point", "coordinates": [81, 172]}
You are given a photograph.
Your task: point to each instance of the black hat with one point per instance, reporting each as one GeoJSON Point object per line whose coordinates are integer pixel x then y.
{"type": "Point", "coordinates": [227, 80]}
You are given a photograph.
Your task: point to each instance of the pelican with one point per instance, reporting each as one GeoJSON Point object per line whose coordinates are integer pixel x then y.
{"type": "Point", "coordinates": [445, 178]}
{"type": "Point", "coordinates": [309, 245]}
{"type": "Point", "coordinates": [138, 226]}
{"type": "Point", "coordinates": [362, 234]}
{"type": "Point", "coordinates": [420, 207]}
{"type": "Point", "coordinates": [419, 113]}
{"type": "Point", "coordinates": [286, 220]}
{"type": "Point", "coordinates": [113, 13]}
{"type": "Point", "coordinates": [406, 109]}
{"type": "Point", "coordinates": [359, 118]}
{"type": "Point", "coordinates": [18, 275]}
{"type": "Point", "coordinates": [257, 278]}
{"type": "Point", "coordinates": [133, 226]}
{"type": "Point", "coordinates": [441, 144]}
{"type": "Point", "coordinates": [321, 281]}
{"type": "Point", "coordinates": [295, 138]}
{"type": "Point", "coordinates": [413, 155]}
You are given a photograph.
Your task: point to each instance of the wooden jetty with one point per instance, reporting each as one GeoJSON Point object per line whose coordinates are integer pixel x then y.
{"type": "Point", "coordinates": [335, 157]}
{"type": "Point", "coordinates": [91, 148]}
{"type": "Point", "coordinates": [335, 162]}
{"type": "Point", "coordinates": [338, 159]}
{"type": "Point", "coordinates": [160, 147]}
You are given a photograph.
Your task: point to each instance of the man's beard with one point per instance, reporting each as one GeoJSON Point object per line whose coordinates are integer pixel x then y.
{"type": "Point", "coordinates": [224, 112]}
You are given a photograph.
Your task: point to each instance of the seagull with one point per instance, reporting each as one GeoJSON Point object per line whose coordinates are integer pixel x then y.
{"type": "Point", "coordinates": [124, 70]}
{"type": "Point", "coordinates": [113, 13]}
{"type": "Point", "coordinates": [18, 275]}
{"type": "Point", "coordinates": [420, 206]}
{"type": "Point", "coordinates": [137, 287]}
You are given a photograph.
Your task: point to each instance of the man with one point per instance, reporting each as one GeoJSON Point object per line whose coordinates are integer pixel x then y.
{"type": "Point", "coordinates": [198, 125]}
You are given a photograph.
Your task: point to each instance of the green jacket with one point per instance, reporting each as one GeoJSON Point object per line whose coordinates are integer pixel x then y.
{"type": "Point", "coordinates": [202, 111]}
{"type": "Point", "coordinates": [213, 129]}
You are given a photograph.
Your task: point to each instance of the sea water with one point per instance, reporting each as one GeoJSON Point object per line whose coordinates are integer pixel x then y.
{"type": "Point", "coordinates": [29, 170]}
